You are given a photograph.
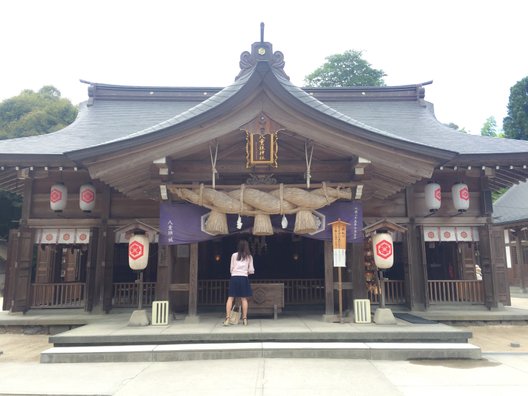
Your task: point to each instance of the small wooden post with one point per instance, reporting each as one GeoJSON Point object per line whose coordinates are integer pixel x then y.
{"type": "Point", "coordinates": [339, 244]}
{"type": "Point", "coordinates": [340, 294]}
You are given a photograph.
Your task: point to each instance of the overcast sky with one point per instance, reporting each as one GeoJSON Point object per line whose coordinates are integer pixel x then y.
{"type": "Point", "coordinates": [474, 51]}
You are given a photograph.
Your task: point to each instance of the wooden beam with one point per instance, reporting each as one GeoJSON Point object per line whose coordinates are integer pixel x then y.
{"type": "Point", "coordinates": [239, 166]}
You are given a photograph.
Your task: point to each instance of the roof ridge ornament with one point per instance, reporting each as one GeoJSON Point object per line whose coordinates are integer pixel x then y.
{"type": "Point", "coordinates": [261, 32]}
{"type": "Point", "coordinates": [261, 51]}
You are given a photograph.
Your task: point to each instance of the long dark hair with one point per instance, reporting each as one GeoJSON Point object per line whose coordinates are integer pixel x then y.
{"type": "Point", "coordinates": [243, 250]}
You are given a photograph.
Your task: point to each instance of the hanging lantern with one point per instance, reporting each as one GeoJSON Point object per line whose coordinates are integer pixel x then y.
{"type": "Point", "coordinates": [58, 197]}
{"type": "Point", "coordinates": [87, 197]}
{"type": "Point", "coordinates": [138, 251]}
{"type": "Point", "coordinates": [383, 250]}
{"type": "Point", "coordinates": [460, 194]}
{"type": "Point", "coordinates": [433, 197]}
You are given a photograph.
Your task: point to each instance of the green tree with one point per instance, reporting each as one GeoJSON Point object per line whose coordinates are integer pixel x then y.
{"type": "Point", "coordinates": [489, 128]}
{"type": "Point", "coordinates": [515, 124]}
{"type": "Point", "coordinates": [35, 113]}
{"type": "Point", "coordinates": [346, 70]}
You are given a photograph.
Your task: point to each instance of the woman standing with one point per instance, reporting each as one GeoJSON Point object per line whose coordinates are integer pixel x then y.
{"type": "Point", "coordinates": [241, 267]}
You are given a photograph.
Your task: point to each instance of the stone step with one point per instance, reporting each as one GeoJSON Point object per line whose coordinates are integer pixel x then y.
{"type": "Point", "coordinates": [209, 351]}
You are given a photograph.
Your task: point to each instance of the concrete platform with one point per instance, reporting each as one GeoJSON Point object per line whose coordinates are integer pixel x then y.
{"type": "Point", "coordinates": [298, 335]}
{"type": "Point", "coordinates": [211, 351]}
{"type": "Point", "coordinates": [295, 334]}
{"type": "Point", "coordinates": [288, 328]}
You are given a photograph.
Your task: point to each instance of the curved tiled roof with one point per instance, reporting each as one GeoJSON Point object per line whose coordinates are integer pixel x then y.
{"type": "Point", "coordinates": [119, 114]}
{"type": "Point", "coordinates": [512, 206]}
{"type": "Point", "coordinates": [415, 121]}
{"type": "Point", "coordinates": [97, 124]}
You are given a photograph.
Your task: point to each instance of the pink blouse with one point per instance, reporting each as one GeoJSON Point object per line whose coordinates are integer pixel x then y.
{"type": "Point", "coordinates": [242, 267]}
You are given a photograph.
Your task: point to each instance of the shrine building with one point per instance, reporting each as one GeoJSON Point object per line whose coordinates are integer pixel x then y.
{"type": "Point", "coordinates": [193, 170]}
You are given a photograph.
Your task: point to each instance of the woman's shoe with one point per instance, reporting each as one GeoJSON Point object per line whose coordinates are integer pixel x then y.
{"type": "Point", "coordinates": [244, 321]}
{"type": "Point", "coordinates": [226, 322]}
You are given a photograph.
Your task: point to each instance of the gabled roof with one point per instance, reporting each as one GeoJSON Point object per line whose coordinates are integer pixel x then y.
{"type": "Point", "coordinates": [163, 121]}
{"type": "Point", "coordinates": [512, 207]}
{"type": "Point", "coordinates": [118, 113]}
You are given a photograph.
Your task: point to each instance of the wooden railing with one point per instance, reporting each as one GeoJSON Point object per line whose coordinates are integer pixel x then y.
{"type": "Point", "coordinates": [456, 291]}
{"type": "Point", "coordinates": [57, 295]}
{"type": "Point", "coordinates": [126, 294]}
{"type": "Point", "coordinates": [296, 291]}
{"type": "Point", "coordinates": [394, 293]}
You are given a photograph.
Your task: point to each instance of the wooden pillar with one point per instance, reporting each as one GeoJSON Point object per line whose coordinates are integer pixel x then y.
{"type": "Point", "coordinates": [415, 265]}
{"type": "Point", "coordinates": [102, 255]}
{"type": "Point", "coordinates": [26, 203]}
{"type": "Point", "coordinates": [164, 272]}
{"type": "Point", "coordinates": [520, 259]}
{"type": "Point", "coordinates": [359, 286]}
{"type": "Point", "coordinates": [193, 283]}
{"type": "Point", "coordinates": [91, 265]}
{"type": "Point", "coordinates": [329, 315]}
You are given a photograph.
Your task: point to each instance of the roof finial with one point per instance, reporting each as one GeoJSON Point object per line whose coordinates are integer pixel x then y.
{"type": "Point", "coordinates": [261, 32]}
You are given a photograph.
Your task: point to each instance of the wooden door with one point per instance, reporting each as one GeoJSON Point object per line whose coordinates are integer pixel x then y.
{"type": "Point", "coordinates": [467, 261]}
{"type": "Point", "coordinates": [498, 259]}
{"type": "Point", "coordinates": [12, 246]}
{"type": "Point", "coordinates": [45, 258]}
{"type": "Point", "coordinates": [22, 257]}
{"type": "Point", "coordinates": [70, 264]}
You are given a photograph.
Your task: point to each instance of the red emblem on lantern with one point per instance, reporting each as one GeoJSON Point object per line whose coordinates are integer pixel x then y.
{"type": "Point", "coordinates": [464, 234]}
{"type": "Point", "coordinates": [87, 196]}
{"type": "Point", "coordinates": [447, 234]}
{"type": "Point", "coordinates": [82, 237]}
{"type": "Point", "coordinates": [49, 237]}
{"type": "Point", "coordinates": [135, 250]}
{"type": "Point", "coordinates": [464, 194]}
{"type": "Point", "coordinates": [438, 194]}
{"type": "Point", "coordinates": [66, 237]}
{"type": "Point", "coordinates": [384, 249]}
{"type": "Point", "coordinates": [431, 234]}
{"type": "Point", "coordinates": [55, 195]}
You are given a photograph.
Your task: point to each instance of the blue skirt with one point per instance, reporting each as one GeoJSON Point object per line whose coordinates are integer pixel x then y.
{"type": "Point", "coordinates": [239, 287]}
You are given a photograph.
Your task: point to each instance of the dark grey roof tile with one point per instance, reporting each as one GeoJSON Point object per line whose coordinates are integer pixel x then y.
{"type": "Point", "coordinates": [512, 206]}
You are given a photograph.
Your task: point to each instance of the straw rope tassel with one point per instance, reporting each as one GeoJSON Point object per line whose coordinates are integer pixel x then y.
{"type": "Point", "coordinates": [213, 164]}
{"type": "Point", "coordinates": [308, 161]}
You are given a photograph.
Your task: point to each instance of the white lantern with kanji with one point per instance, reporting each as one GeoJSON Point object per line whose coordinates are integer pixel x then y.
{"type": "Point", "coordinates": [87, 197]}
{"type": "Point", "coordinates": [433, 196]}
{"type": "Point", "coordinates": [138, 251]}
{"type": "Point", "coordinates": [58, 197]}
{"type": "Point", "coordinates": [460, 195]}
{"type": "Point", "coordinates": [383, 249]}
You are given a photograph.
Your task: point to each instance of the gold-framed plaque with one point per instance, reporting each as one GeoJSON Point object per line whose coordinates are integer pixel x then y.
{"type": "Point", "coordinates": [262, 142]}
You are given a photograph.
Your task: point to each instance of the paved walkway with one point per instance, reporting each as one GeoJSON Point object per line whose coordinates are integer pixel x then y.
{"type": "Point", "coordinates": [496, 374]}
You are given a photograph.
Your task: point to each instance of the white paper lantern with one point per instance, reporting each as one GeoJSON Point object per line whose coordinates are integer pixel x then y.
{"type": "Point", "coordinates": [58, 197]}
{"type": "Point", "coordinates": [87, 197]}
{"type": "Point", "coordinates": [460, 194]}
{"type": "Point", "coordinates": [138, 251]}
{"type": "Point", "coordinates": [433, 197]}
{"type": "Point", "coordinates": [383, 249]}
